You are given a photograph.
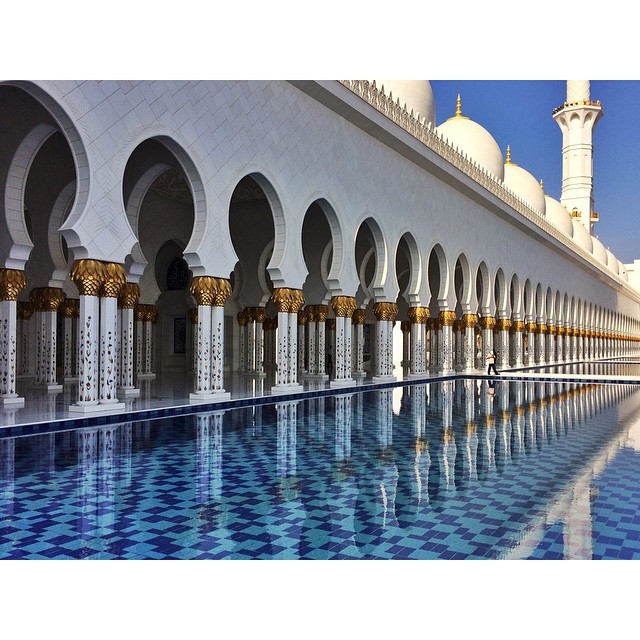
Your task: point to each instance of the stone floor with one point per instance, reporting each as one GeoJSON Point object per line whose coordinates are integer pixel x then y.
{"type": "Point", "coordinates": [171, 391]}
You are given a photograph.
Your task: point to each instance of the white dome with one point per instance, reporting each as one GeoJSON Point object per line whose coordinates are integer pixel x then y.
{"type": "Point", "coordinates": [581, 236]}
{"type": "Point", "coordinates": [475, 141]}
{"type": "Point", "coordinates": [416, 94]}
{"type": "Point", "coordinates": [599, 252]}
{"type": "Point", "coordinates": [622, 271]}
{"type": "Point", "coordinates": [558, 216]}
{"type": "Point", "coordinates": [612, 261]}
{"type": "Point", "coordinates": [523, 184]}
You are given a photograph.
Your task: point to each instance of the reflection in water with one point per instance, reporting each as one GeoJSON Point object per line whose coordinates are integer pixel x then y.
{"type": "Point", "coordinates": [464, 468]}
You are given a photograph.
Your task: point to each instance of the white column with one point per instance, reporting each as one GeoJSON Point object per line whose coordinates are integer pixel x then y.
{"type": "Point", "coordinates": [487, 323]}
{"type": "Point", "coordinates": [302, 341]}
{"type": "Point", "coordinates": [516, 341]}
{"type": "Point", "coordinates": [288, 302]}
{"type": "Point", "coordinates": [540, 337]}
{"type": "Point", "coordinates": [251, 343]}
{"type": "Point", "coordinates": [292, 349]}
{"type": "Point", "coordinates": [260, 317]}
{"type": "Point", "coordinates": [8, 349]}
{"type": "Point", "coordinates": [359, 316]}
{"type": "Point", "coordinates": [203, 368]}
{"type": "Point", "coordinates": [385, 313]}
{"type": "Point", "coordinates": [344, 307]}
{"type": "Point", "coordinates": [321, 343]}
{"type": "Point", "coordinates": [242, 321]}
{"type": "Point", "coordinates": [125, 383]}
{"type": "Point", "coordinates": [108, 346]}
{"type": "Point", "coordinates": [88, 350]}
{"type": "Point", "coordinates": [447, 318]}
{"type": "Point", "coordinates": [217, 351]}
{"type": "Point", "coordinates": [139, 341]}
{"type": "Point", "coordinates": [469, 322]}
{"type": "Point", "coordinates": [503, 343]}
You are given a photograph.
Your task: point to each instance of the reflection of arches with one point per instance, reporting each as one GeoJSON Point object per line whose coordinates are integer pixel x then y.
{"type": "Point", "coordinates": [19, 243]}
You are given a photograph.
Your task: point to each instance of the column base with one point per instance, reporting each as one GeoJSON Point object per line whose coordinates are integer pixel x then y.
{"type": "Point", "coordinates": [316, 376]}
{"type": "Point", "coordinates": [96, 407]}
{"type": "Point", "coordinates": [209, 396]}
{"type": "Point", "coordinates": [128, 392]}
{"type": "Point", "coordinates": [14, 401]}
{"type": "Point", "coordinates": [388, 378]}
{"type": "Point", "coordinates": [286, 388]}
{"type": "Point", "coordinates": [48, 386]}
{"type": "Point", "coordinates": [418, 376]}
{"type": "Point", "coordinates": [344, 382]}
{"type": "Point", "coordinates": [358, 374]}
{"type": "Point", "coordinates": [70, 380]}
{"type": "Point", "coordinates": [146, 376]}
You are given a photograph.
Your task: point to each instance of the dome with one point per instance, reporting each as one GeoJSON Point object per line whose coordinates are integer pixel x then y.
{"type": "Point", "coordinates": [622, 271]}
{"type": "Point", "coordinates": [416, 94]}
{"type": "Point", "coordinates": [558, 216]}
{"type": "Point", "coordinates": [612, 261]}
{"type": "Point", "coordinates": [473, 140]}
{"type": "Point", "coordinates": [523, 184]}
{"type": "Point", "coordinates": [581, 236]}
{"type": "Point", "coordinates": [599, 252]}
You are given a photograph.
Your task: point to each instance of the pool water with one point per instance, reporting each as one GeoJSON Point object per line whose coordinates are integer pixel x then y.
{"type": "Point", "coordinates": [456, 469]}
{"type": "Point", "coordinates": [622, 367]}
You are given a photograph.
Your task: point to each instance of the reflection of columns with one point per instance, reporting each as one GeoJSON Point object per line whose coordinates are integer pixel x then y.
{"type": "Point", "coordinates": [445, 346]}
{"type": "Point", "coordinates": [26, 354]}
{"type": "Point", "coordinates": [288, 302]}
{"type": "Point", "coordinates": [11, 284]}
{"type": "Point", "coordinates": [46, 302]}
{"type": "Point", "coordinates": [418, 317]}
{"type": "Point", "coordinates": [468, 323]}
{"type": "Point", "coordinates": [211, 295]}
{"type": "Point", "coordinates": [343, 307]}
{"type": "Point", "coordinates": [286, 455]}
{"type": "Point", "coordinates": [385, 313]}
{"type": "Point", "coordinates": [503, 325]}
{"type": "Point", "coordinates": [127, 301]}
{"type": "Point", "coordinates": [358, 319]}
{"type": "Point", "coordinates": [70, 309]}
{"type": "Point", "coordinates": [487, 324]}
{"type": "Point", "coordinates": [343, 428]}
{"type": "Point", "coordinates": [515, 331]}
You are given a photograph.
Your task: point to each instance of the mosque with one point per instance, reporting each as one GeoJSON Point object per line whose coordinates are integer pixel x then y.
{"type": "Point", "coordinates": [292, 231]}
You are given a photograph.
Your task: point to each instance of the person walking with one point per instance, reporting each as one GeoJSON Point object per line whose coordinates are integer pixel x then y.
{"type": "Point", "coordinates": [491, 360]}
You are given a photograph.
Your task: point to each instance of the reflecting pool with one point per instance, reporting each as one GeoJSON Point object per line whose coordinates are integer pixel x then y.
{"type": "Point", "coordinates": [629, 367]}
{"type": "Point", "coordinates": [457, 469]}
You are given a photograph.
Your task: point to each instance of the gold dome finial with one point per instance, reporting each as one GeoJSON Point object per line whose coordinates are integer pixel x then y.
{"type": "Point", "coordinates": [508, 155]}
{"type": "Point", "coordinates": [458, 107]}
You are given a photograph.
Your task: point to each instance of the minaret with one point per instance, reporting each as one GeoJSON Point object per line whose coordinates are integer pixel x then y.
{"type": "Point", "coordinates": [576, 118]}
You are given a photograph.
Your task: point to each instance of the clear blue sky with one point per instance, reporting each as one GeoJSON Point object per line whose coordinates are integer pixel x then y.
{"type": "Point", "coordinates": [518, 113]}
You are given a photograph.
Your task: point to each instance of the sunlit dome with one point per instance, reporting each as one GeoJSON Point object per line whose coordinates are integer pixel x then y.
{"type": "Point", "coordinates": [581, 236]}
{"type": "Point", "coordinates": [599, 252]}
{"type": "Point", "coordinates": [523, 184]}
{"type": "Point", "coordinates": [558, 216]}
{"type": "Point", "coordinates": [622, 271]}
{"type": "Point", "coordinates": [416, 94]}
{"type": "Point", "coordinates": [473, 140]}
{"type": "Point", "coordinates": [612, 261]}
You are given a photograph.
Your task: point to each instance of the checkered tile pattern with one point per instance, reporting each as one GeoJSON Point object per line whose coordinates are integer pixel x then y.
{"type": "Point", "coordinates": [383, 478]}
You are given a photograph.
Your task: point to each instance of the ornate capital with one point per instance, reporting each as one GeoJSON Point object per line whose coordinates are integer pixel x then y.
{"type": "Point", "coordinates": [25, 310]}
{"type": "Point", "coordinates": [242, 317]}
{"type": "Point", "coordinates": [487, 322]}
{"type": "Point", "coordinates": [222, 292]}
{"type": "Point", "coordinates": [12, 282]}
{"type": "Point", "coordinates": [385, 310]}
{"type": "Point", "coordinates": [88, 276]}
{"type": "Point", "coordinates": [70, 307]}
{"type": "Point", "coordinates": [432, 323]}
{"type": "Point", "coordinates": [541, 328]}
{"type": "Point", "coordinates": [192, 313]}
{"type": "Point", "coordinates": [129, 295]}
{"type": "Point", "coordinates": [259, 314]}
{"type": "Point", "coordinates": [517, 326]}
{"type": "Point", "coordinates": [359, 316]}
{"type": "Point", "coordinates": [288, 300]}
{"type": "Point", "coordinates": [331, 324]}
{"type": "Point", "coordinates": [310, 312]}
{"type": "Point", "coordinates": [405, 326]}
{"type": "Point", "coordinates": [343, 306]}
{"type": "Point", "coordinates": [561, 331]}
{"type": "Point", "coordinates": [531, 327]}
{"type": "Point", "coordinates": [469, 320]}
{"type": "Point", "coordinates": [302, 317]}
{"type": "Point", "coordinates": [140, 312]}
{"type": "Point", "coordinates": [418, 315]}
{"type": "Point", "coordinates": [447, 318]}
{"type": "Point", "coordinates": [114, 279]}
{"type": "Point", "coordinates": [551, 329]}
{"type": "Point", "coordinates": [322, 311]}
{"type": "Point", "coordinates": [47, 298]}
{"type": "Point", "coordinates": [503, 324]}
{"type": "Point", "coordinates": [203, 289]}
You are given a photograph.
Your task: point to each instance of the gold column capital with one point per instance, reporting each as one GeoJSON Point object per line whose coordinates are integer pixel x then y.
{"type": "Point", "coordinates": [405, 326]}
{"type": "Point", "coordinates": [447, 318]}
{"type": "Point", "coordinates": [70, 307]}
{"type": "Point", "coordinates": [343, 306]}
{"type": "Point", "coordinates": [418, 315]}
{"type": "Point", "coordinates": [222, 292]}
{"type": "Point", "coordinates": [552, 329]}
{"type": "Point", "coordinates": [322, 311]}
{"type": "Point", "coordinates": [288, 300]}
{"type": "Point", "coordinates": [114, 278]}
{"type": "Point", "coordinates": [303, 317]}
{"type": "Point", "coordinates": [531, 327]}
{"type": "Point", "coordinates": [385, 310]}
{"type": "Point", "coordinates": [359, 316]}
{"type": "Point", "coordinates": [88, 276]}
{"type": "Point", "coordinates": [25, 310]}
{"type": "Point", "coordinates": [331, 324]}
{"type": "Point", "coordinates": [47, 298]}
{"type": "Point", "coordinates": [140, 312]}
{"type": "Point", "coordinates": [203, 289]}
{"type": "Point", "coordinates": [12, 282]}
{"type": "Point", "coordinates": [469, 320]}
{"type": "Point", "coordinates": [503, 324]}
{"type": "Point", "coordinates": [517, 326]}
{"type": "Point", "coordinates": [487, 322]}
{"type": "Point", "coordinates": [259, 314]}
{"type": "Point", "coordinates": [129, 295]}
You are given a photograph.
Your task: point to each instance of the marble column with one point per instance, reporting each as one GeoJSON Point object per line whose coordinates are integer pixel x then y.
{"type": "Point", "coordinates": [458, 344]}
{"type": "Point", "coordinates": [150, 318]}
{"type": "Point", "coordinates": [432, 329]}
{"type": "Point", "coordinates": [358, 320]}
{"type": "Point", "coordinates": [26, 353]}
{"type": "Point", "coordinates": [211, 295]}
{"type": "Point", "coordinates": [344, 308]}
{"type": "Point", "coordinates": [70, 309]}
{"type": "Point", "coordinates": [139, 314]}
{"type": "Point", "coordinates": [242, 322]}
{"type": "Point", "coordinates": [551, 343]}
{"type": "Point", "coordinates": [503, 325]}
{"type": "Point", "coordinates": [312, 349]}
{"type": "Point", "coordinates": [302, 341]}
{"type": "Point", "coordinates": [259, 316]}
{"type": "Point", "coordinates": [418, 317]}
{"type": "Point", "coordinates": [468, 326]}
{"type": "Point", "coordinates": [385, 313]}
{"type": "Point", "coordinates": [288, 302]}
{"type": "Point", "coordinates": [330, 327]}
{"type": "Point", "coordinates": [560, 343]}
{"type": "Point", "coordinates": [12, 282]}
{"type": "Point", "coordinates": [445, 346]}
{"type": "Point", "coordinates": [127, 301]}
{"type": "Point", "coordinates": [193, 319]}
{"type": "Point", "coordinates": [515, 333]}
{"type": "Point", "coordinates": [322, 311]}
{"type": "Point", "coordinates": [46, 302]}
{"type": "Point", "coordinates": [487, 324]}
{"type": "Point", "coordinates": [541, 329]}
{"type": "Point", "coordinates": [405, 327]}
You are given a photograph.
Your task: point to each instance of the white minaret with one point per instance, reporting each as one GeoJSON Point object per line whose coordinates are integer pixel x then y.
{"type": "Point", "coordinates": [576, 118]}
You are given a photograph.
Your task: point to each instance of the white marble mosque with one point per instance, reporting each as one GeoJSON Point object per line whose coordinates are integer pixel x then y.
{"type": "Point", "coordinates": [294, 232]}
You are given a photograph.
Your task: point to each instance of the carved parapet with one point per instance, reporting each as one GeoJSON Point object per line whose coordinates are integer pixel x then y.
{"type": "Point", "coordinates": [343, 306]}
{"type": "Point", "coordinates": [288, 300]}
{"type": "Point", "coordinates": [359, 316]}
{"type": "Point", "coordinates": [503, 324]}
{"type": "Point", "coordinates": [487, 322]}
{"type": "Point", "coordinates": [88, 276]}
{"type": "Point", "coordinates": [418, 315]}
{"type": "Point", "coordinates": [204, 290]}
{"type": "Point", "coordinates": [517, 326]}
{"type": "Point", "coordinates": [385, 311]}
{"type": "Point", "coordinates": [115, 278]}
{"type": "Point", "coordinates": [192, 313]}
{"type": "Point", "coordinates": [25, 310]}
{"type": "Point", "coordinates": [322, 311]}
{"type": "Point", "coordinates": [12, 282]}
{"type": "Point", "coordinates": [46, 298]}
{"type": "Point", "coordinates": [447, 318]}
{"type": "Point", "coordinates": [469, 320]}
{"type": "Point", "coordinates": [129, 295]}
{"type": "Point", "coordinates": [405, 326]}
